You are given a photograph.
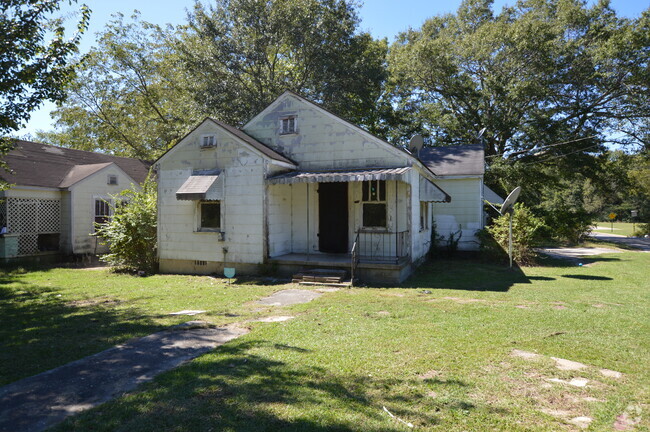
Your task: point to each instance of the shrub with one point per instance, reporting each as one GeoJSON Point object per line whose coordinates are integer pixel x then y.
{"type": "Point", "coordinates": [131, 231]}
{"type": "Point", "coordinates": [642, 230]}
{"type": "Point", "coordinates": [526, 229]}
{"type": "Point", "coordinates": [568, 225]}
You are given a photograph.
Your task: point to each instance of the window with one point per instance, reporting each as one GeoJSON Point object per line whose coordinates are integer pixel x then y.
{"type": "Point", "coordinates": [424, 215]}
{"type": "Point", "coordinates": [112, 179]}
{"type": "Point", "coordinates": [287, 125]}
{"type": "Point", "coordinates": [210, 217]}
{"type": "Point", "coordinates": [102, 211]}
{"type": "Point", "coordinates": [208, 141]}
{"type": "Point", "coordinates": [374, 203]}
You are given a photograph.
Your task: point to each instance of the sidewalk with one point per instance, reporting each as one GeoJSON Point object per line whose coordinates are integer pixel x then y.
{"type": "Point", "coordinates": [41, 401]}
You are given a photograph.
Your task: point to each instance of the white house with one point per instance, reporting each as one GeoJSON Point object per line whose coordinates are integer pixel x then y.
{"type": "Point", "coordinates": [297, 187]}
{"type": "Point", "coordinates": [55, 197]}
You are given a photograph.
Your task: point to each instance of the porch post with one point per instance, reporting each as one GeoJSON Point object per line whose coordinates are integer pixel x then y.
{"type": "Point", "coordinates": [396, 226]}
{"type": "Point", "coordinates": [308, 240]}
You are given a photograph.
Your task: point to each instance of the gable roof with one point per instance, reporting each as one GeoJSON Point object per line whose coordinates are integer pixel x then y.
{"type": "Point", "coordinates": [247, 139]}
{"type": "Point", "coordinates": [43, 165]}
{"type": "Point", "coordinates": [454, 160]}
{"type": "Point", "coordinates": [262, 148]}
{"type": "Point", "coordinates": [396, 150]}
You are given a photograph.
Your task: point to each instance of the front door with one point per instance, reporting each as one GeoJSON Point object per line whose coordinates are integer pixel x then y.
{"type": "Point", "coordinates": [333, 217]}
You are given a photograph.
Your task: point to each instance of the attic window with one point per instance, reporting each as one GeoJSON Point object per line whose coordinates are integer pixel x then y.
{"type": "Point", "coordinates": [112, 179]}
{"type": "Point", "coordinates": [208, 141]}
{"type": "Point", "coordinates": [288, 125]}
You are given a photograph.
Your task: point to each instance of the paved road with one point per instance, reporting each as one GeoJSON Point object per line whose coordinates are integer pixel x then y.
{"type": "Point", "coordinates": [634, 242]}
{"type": "Point", "coordinates": [41, 401]}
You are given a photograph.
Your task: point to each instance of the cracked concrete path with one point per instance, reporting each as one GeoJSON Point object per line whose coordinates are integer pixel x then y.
{"type": "Point", "coordinates": [41, 401]}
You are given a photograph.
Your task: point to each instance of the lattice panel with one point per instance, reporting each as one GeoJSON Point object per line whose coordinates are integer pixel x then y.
{"type": "Point", "coordinates": [28, 244]}
{"type": "Point", "coordinates": [3, 213]}
{"type": "Point", "coordinates": [30, 215]}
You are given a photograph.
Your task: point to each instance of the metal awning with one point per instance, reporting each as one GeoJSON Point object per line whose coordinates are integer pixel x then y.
{"type": "Point", "coordinates": [197, 187]}
{"type": "Point", "coordinates": [339, 176]}
{"type": "Point", "coordinates": [430, 192]}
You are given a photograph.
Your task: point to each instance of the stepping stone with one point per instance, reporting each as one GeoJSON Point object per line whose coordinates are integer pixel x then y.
{"type": "Point", "coordinates": [524, 354]}
{"type": "Point", "coordinates": [188, 312]}
{"type": "Point", "coordinates": [274, 319]}
{"type": "Point", "coordinates": [610, 373]}
{"type": "Point", "coordinates": [289, 297]}
{"type": "Point", "coordinates": [568, 365]}
{"type": "Point", "coordinates": [581, 422]}
{"type": "Point", "coordinates": [576, 382]}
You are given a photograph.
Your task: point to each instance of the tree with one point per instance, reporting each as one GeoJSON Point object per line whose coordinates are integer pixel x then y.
{"type": "Point", "coordinates": [538, 73]}
{"type": "Point", "coordinates": [244, 53]}
{"type": "Point", "coordinates": [33, 70]}
{"type": "Point", "coordinates": [131, 233]}
{"type": "Point", "coordinates": [129, 98]}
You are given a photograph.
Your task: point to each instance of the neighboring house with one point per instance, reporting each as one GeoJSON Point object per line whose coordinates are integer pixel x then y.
{"type": "Point", "coordinates": [298, 187]}
{"type": "Point", "coordinates": [56, 196]}
{"type": "Point", "coordinates": [459, 171]}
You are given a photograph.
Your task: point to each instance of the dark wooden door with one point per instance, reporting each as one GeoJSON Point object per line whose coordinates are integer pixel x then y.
{"type": "Point", "coordinates": [333, 217]}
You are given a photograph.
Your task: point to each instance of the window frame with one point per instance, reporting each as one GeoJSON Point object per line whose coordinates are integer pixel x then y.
{"type": "Point", "coordinates": [104, 204]}
{"type": "Point", "coordinates": [424, 215]}
{"type": "Point", "coordinates": [110, 177]}
{"type": "Point", "coordinates": [289, 120]}
{"type": "Point", "coordinates": [209, 229]}
{"type": "Point", "coordinates": [212, 141]}
{"type": "Point", "coordinates": [378, 199]}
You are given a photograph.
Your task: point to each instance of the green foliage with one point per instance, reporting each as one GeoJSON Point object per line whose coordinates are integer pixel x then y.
{"type": "Point", "coordinates": [244, 53]}
{"type": "Point", "coordinates": [130, 97]}
{"type": "Point", "coordinates": [526, 230]}
{"type": "Point", "coordinates": [534, 74]}
{"type": "Point", "coordinates": [33, 70]}
{"type": "Point", "coordinates": [131, 233]}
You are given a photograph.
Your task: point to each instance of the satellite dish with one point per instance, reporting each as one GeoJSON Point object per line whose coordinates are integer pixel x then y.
{"type": "Point", "coordinates": [416, 143]}
{"type": "Point", "coordinates": [509, 203]}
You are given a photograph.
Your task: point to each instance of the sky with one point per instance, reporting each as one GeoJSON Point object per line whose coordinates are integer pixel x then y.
{"type": "Point", "coordinates": [382, 18]}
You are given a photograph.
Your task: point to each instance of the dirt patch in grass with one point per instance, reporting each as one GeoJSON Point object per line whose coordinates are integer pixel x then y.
{"type": "Point", "coordinates": [98, 301]}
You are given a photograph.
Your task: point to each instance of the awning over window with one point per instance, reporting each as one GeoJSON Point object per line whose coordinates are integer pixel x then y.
{"type": "Point", "coordinates": [200, 187]}
{"type": "Point", "coordinates": [431, 193]}
{"type": "Point", "coordinates": [354, 175]}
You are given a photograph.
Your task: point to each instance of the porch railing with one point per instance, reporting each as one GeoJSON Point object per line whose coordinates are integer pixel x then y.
{"type": "Point", "coordinates": [382, 245]}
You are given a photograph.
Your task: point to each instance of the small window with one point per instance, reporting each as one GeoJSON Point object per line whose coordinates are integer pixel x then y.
{"type": "Point", "coordinates": [112, 179]}
{"type": "Point", "coordinates": [374, 203]}
{"type": "Point", "coordinates": [424, 215]}
{"type": "Point", "coordinates": [208, 141]}
{"type": "Point", "coordinates": [210, 218]}
{"type": "Point", "coordinates": [102, 211]}
{"type": "Point", "coordinates": [288, 125]}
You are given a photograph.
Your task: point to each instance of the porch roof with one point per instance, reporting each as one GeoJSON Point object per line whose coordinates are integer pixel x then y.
{"type": "Point", "coordinates": [340, 176]}
{"type": "Point", "coordinates": [428, 190]}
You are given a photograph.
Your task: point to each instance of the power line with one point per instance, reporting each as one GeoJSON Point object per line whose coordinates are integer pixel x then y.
{"type": "Point", "coordinates": [548, 146]}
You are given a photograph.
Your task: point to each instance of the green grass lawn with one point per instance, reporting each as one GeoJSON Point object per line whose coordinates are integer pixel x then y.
{"type": "Point", "coordinates": [620, 228]}
{"type": "Point", "coordinates": [436, 352]}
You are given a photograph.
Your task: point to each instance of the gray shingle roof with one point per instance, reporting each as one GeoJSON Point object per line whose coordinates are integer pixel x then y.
{"type": "Point", "coordinates": [42, 165]}
{"type": "Point", "coordinates": [454, 160]}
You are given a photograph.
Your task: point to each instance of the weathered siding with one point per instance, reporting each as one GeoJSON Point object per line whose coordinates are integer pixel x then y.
{"type": "Point", "coordinates": [242, 207]}
{"type": "Point", "coordinates": [322, 141]}
{"type": "Point", "coordinates": [463, 212]}
{"type": "Point", "coordinates": [66, 223]}
{"type": "Point", "coordinates": [83, 195]}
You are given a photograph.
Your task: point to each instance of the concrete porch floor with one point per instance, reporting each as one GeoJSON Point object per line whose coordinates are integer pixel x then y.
{"type": "Point", "coordinates": [337, 260]}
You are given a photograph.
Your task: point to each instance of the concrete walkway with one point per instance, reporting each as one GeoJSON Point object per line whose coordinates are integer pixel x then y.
{"type": "Point", "coordinates": [633, 242]}
{"type": "Point", "coordinates": [41, 401]}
